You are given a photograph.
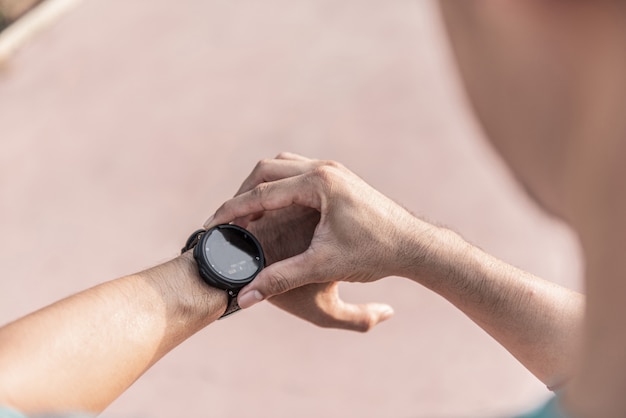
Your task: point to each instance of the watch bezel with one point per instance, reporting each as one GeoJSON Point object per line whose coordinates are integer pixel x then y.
{"type": "Point", "coordinates": [207, 270]}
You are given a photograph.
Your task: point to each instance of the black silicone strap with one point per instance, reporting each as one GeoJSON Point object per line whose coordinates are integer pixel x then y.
{"type": "Point", "coordinates": [192, 241]}
{"type": "Point", "coordinates": [232, 306]}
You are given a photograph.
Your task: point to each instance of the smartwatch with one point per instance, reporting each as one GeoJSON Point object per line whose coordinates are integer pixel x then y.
{"type": "Point", "coordinates": [228, 258]}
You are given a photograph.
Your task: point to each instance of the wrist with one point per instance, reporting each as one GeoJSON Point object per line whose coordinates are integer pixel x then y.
{"type": "Point", "coordinates": [187, 296]}
{"type": "Point", "coordinates": [438, 256]}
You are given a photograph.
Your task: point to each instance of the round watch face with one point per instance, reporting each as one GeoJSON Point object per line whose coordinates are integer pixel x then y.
{"type": "Point", "coordinates": [230, 256]}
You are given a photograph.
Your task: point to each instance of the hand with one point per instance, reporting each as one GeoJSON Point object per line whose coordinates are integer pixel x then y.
{"type": "Point", "coordinates": [361, 235]}
{"type": "Point", "coordinates": [288, 232]}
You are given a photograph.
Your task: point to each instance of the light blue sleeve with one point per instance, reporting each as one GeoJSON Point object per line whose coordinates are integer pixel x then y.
{"type": "Point", "coordinates": [11, 413]}
{"type": "Point", "coordinates": [549, 410]}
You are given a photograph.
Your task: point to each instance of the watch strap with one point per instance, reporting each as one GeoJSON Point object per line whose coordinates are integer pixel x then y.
{"type": "Point", "coordinates": [232, 306]}
{"type": "Point", "coordinates": [192, 241]}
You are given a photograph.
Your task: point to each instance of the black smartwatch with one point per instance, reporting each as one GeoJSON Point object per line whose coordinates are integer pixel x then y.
{"type": "Point", "coordinates": [228, 257]}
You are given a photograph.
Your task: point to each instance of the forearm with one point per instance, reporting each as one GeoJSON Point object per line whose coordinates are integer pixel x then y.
{"type": "Point", "coordinates": [82, 352]}
{"type": "Point", "coordinates": [535, 320]}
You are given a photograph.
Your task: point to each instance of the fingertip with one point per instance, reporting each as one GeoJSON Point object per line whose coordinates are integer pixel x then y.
{"type": "Point", "coordinates": [363, 318]}
{"type": "Point", "coordinates": [249, 298]}
{"type": "Point", "coordinates": [209, 222]}
{"type": "Point", "coordinates": [386, 313]}
{"type": "Point", "coordinates": [376, 313]}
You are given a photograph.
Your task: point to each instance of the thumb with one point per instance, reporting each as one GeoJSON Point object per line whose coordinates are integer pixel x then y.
{"type": "Point", "coordinates": [361, 317]}
{"type": "Point", "coordinates": [276, 279]}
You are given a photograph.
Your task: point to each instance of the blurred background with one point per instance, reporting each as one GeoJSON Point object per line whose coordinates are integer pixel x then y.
{"type": "Point", "coordinates": [125, 124]}
{"type": "Point", "coordinates": [11, 10]}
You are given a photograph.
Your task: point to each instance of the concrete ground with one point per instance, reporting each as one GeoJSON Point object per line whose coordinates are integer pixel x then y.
{"type": "Point", "coordinates": [126, 124]}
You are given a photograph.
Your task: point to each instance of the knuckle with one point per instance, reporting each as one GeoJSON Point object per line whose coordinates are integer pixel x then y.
{"type": "Point", "coordinates": [324, 174]}
{"type": "Point", "coordinates": [262, 165]}
{"type": "Point", "coordinates": [257, 174]}
{"type": "Point", "coordinates": [328, 321]}
{"type": "Point", "coordinates": [365, 325]}
{"type": "Point", "coordinates": [284, 155]}
{"type": "Point", "coordinates": [325, 322]}
{"type": "Point", "coordinates": [259, 190]}
{"type": "Point", "coordinates": [277, 283]}
{"type": "Point", "coordinates": [334, 164]}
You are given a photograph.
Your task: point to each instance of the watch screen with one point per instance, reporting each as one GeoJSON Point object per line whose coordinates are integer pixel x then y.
{"type": "Point", "coordinates": [232, 254]}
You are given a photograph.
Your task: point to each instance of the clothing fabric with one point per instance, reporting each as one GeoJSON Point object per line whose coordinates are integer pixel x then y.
{"type": "Point", "coordinates": [549, 410]}
{"type": "Point", "coordinates": [9, 413]}
{"type": "Point", "coordinates": [12, 413]}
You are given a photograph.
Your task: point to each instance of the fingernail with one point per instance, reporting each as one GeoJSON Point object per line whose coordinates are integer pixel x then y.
{"type": "Point", "coordinates": [249, 298]}
{"type": "Point", "coordinates": [208, 221]}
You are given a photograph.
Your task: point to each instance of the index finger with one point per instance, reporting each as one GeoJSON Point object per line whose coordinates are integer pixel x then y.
{"type": "Point", "coordinates": [267, 196]}
{"type": "Point", "coordinates": [275, 169]}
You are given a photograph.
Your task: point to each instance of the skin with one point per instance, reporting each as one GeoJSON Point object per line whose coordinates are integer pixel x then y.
{"type": "Point", "coordinates": [546, 81]}
{"type": "Point", "coordinates": [81, 353]}
{"type": "Point", "coordinates": [561, 128]}
{"type": "Point", "coordinates": [289, 232]}
{"type": "Point", "coordinates": [47, 358]}
{"type": "Point", "coordinates": [534, 319]}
